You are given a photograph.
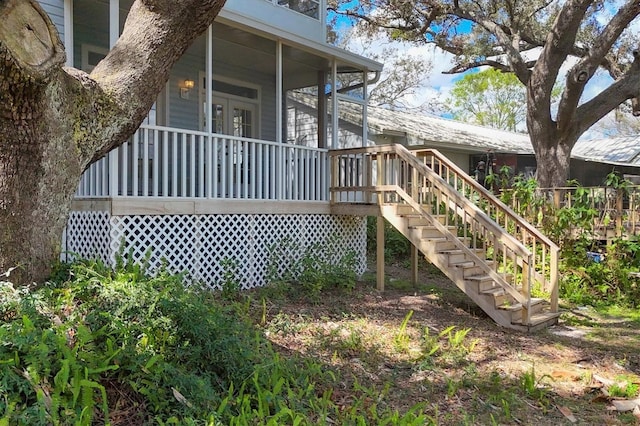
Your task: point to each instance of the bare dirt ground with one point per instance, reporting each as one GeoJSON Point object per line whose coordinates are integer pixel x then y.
{"type": "Point", "coordinates": [491, 375]}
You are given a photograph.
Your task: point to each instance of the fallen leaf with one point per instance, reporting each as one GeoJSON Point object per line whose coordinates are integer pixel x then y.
{"type": "Point", "coordinates": [563, 374]}
{"type": "Point", "coordinates": [623, 405]}
{"type": "Point", "coordinates": [567, 413]}
{"type": "Point", "coordinates": [603, 380]}
{"type": "Point", "coordinates": [180, 397]}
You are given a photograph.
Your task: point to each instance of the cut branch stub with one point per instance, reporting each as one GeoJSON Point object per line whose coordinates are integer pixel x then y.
{"type": "Point", "coordinates": [29, 38]}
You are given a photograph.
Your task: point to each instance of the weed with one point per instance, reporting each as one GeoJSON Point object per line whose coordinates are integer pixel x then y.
{"type": "Point", "coordinates": [623, 387]}
{"type": "Point", "coordinates": [532, 385]}
{"type": "Point", "coordinates": [401, 339]}
{"type": "Point", "coordinates": [449, 345]}
{"type": "Point", "coordinates": [230, 283]}
{"type": "Point", "coordinates": [312, 269]}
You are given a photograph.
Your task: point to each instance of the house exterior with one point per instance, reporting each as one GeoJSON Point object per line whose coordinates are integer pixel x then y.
{"type": "Point", "coordinates": [210, 177]}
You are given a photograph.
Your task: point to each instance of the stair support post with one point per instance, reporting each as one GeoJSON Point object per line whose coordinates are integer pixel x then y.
{"type": "Point", "coordinates": [380, 253]}
{"type": "Point", "coordinates": [526, 289]}
{"type": "Point", "coordinates": [414, 265]}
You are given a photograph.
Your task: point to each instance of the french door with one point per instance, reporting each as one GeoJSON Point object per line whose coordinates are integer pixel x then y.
{"type": "Point", "coordinates": [234, 117]}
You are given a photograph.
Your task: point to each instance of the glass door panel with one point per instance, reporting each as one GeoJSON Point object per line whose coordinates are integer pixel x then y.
{"type": "Point", "coordinates": [243, 120]}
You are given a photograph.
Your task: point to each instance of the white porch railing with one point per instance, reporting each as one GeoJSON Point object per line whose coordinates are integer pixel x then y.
{"type": "Point", "coordinates": [168, 162]}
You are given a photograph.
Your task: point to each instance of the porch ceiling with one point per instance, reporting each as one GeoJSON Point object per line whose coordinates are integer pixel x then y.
{"type": "Point", "coordinates": [240, 48]}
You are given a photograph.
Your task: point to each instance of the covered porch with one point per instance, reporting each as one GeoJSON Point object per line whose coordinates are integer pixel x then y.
{"type": "Point", "coordinates": [221, 170]}
{"type": "Point", "coordinates": [223, 128]}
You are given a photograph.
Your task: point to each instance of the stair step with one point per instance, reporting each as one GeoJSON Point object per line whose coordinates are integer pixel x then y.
{"type": "Point", "coordinates": [429, 231]}
{"type": "Point", "coordinates": [463, 264]}
{"type": "Point", "coordinates": [493, 291]}
{"type": "Point", "coordinates": [441, 243]}
{"type": "Point", "coordinates": [415, 219]}
{"type": "Point", "coordinates": [485, 282]}
{"type": "Point", "coordinates": [457, 255]}
{"type": "Point", "coordinates": [539, 320]}
{"type": "Point", "coordinates": [499, 295]}
{"type": "Point", "coordinates": [518, 306]}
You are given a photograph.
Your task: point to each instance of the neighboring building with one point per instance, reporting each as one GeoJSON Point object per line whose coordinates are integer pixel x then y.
{"type": "Point", "coordinates": [467, 144]}
{"type": "Point", "coordinates": [210, 176]}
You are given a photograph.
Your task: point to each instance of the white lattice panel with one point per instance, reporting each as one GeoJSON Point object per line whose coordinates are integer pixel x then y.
{"type": "Point", "coordinates": [201, 244]}
{"type": "Point", "coordinates": [171, 239]}
{"type": "Point", "coordinates": [87, 236]}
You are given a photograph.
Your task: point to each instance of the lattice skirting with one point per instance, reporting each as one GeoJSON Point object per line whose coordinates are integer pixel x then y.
{"type": "Point", "coordinates": [201, 245]}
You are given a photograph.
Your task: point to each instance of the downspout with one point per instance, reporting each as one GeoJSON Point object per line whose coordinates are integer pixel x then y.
{"type": "Point", "coordinates": [374, 80]}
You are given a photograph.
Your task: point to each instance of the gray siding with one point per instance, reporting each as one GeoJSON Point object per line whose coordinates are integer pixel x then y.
{"type": "Point", "coordinates": [185, 113]}
{"type": "Point", "coordinates": [55, 10]}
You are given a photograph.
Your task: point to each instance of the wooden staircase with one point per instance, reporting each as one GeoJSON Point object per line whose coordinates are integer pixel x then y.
{"type": "Point", "coordinates": [488, 251]}
{"type": "Point", "coordinates": [467, 272]}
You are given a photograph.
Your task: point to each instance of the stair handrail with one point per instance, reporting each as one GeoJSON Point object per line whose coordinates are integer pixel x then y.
{"type": "Point", "coordinates": [436, 179]}
{"type": "Point", "coordinates": [525, 301]}
{"type": "Point", "coordinates": [554, 250]}
{"type": "Point", "coordinates": [488, 195]}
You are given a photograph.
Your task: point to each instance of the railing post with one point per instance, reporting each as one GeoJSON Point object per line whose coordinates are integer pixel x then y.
{"type": "Point", "coordinates": [333, 178]}
{"type": "Point", "coordinates": [553, 278]}
{"type": "Point", "coordinates": [619, 194]}
{"type": "Point", "coordinates": [380, 175]}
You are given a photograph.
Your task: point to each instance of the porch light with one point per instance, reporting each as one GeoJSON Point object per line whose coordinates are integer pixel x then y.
{"type": "Point", "coordinates": [186, 87]}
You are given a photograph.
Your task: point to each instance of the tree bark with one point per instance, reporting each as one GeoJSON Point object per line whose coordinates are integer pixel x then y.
{"type": "Point", "coordinates": [55, 121]}
{"type": "Point", "coordinates": [553, 161]}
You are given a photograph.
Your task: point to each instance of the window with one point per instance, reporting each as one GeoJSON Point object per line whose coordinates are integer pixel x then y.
{"type": "Point", "coordinates": [310, 8]}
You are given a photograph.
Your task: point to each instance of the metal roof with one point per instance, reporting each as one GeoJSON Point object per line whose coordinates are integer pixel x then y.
{"type": "Point", "coordinates": [623, 150]}
{"type": "Point", "coordinates": [424, 129]}
{"type": "Point", "coordinates": [429, 130]}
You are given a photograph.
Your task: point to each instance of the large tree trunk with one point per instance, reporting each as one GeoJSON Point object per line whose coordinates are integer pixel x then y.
{"type": "Point", "coordinates": [38, 172]}
{"type": "Point", "coordinates": [54, 122]}
{"type": "Point", "coordinates": [553, 161]}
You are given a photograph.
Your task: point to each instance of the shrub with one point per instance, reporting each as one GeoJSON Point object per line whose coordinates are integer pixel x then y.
{"type": "Point", "coordinates": [75, 343]}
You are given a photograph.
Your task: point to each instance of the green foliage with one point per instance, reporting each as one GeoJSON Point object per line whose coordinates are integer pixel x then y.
{"type": "Point", "coordinates": [71, 343]}
{"type": "Point", "coordinates": [396, 246]}
{"type": "Point", "coordinates": [450, 346]}
{"type": "Point", "coordinates": [489, 98]}
{"type": "Point", "coordinates": [230, 284]}
{"type": "Point", "coordinates": [401, 339]}
{"type": "Point", "coordinates": [531, 384]}
{"type": "Point", "coordinates": [76, 348]}
{"type": "Point", "coordinates": [312, 269]}
{"type": "Point", "coordinates": [623, 387]}
{"type": "Point", "coordinates": [613, 281]}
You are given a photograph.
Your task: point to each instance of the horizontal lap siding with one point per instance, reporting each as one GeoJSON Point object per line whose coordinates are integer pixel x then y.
{"type": "Point", "coordinates": [55, 10]}
{"type": "Point", "coordinates": [185, 113]}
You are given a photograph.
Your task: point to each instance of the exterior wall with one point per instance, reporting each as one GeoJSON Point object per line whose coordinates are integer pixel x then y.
{"type": "Point", "coordinates": [201, 245]}
{"type": "Point", "coordinates": [90, 28]}
{"type": "Point", "coordinates": [55, 10]}
{"type": "Point", "coordinates": [185, 113]}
